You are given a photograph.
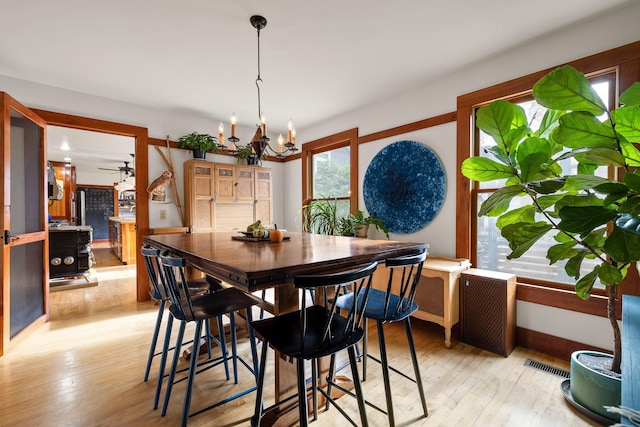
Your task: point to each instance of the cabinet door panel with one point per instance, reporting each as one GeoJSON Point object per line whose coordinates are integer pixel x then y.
{"type": "Point", "coordinates": [224, 185]}
{"type": "Point", "coordinates": [263, 212]}
{"type": "Point", "coordinates": [199, 195]}
{"type": "Point", "coordinates": [203, 218]}
{"type": "Point", "coordinates": [244, 185]}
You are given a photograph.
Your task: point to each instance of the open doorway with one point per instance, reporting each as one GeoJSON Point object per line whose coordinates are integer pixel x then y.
{"type": "Point", "coordinates": [140, 164]}
{"type": "Point", "coordinates": [92, 209]}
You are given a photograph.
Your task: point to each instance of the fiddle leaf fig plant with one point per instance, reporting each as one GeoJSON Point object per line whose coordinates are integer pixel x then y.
{"type": "Point", "coordinates": [590, 216]}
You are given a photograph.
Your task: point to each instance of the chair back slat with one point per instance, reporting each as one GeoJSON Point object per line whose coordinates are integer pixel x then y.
{"type": "Point", "coordinates": [151, 258]}
{"type": "Point", "coordinates": [177, 285]}
{"type": "Point", "coordinates": [410, 269]}
{"type": "Point", "coordinates": [337, 328]}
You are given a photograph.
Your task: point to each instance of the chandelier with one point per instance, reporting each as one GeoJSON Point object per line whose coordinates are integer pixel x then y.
{"type": "Point", "coordinates": [259, 143]}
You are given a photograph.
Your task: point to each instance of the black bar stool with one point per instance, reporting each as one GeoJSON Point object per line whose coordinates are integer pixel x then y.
{"type": "Point", "coordinates": [160, 293]}
{"type": "Point", "coordinates": [199, 309]}
{"type": "Point", "coordinates": [314, 332]}
{"type": "Point", "coordinates": [394, 304]}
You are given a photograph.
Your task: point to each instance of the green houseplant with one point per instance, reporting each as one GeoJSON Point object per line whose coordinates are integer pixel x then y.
{"type": "Point", "coordinates": [591, 217]}
{"type": "Point", "coordinates": [199, 143]}
{"type": "Point", "coordinates": [320, 216]}
{"type": "Point", "coordinates": [362, 223]}
{"type": "Point", "coordinates": [247, 152]}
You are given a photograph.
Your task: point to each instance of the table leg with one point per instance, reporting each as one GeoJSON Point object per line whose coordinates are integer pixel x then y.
{"type": "Point", "coordinates": [286, 300]}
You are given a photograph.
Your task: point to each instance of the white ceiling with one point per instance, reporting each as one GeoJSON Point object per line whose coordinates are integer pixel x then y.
{"type": "Point", "coordinates": [319, 59]}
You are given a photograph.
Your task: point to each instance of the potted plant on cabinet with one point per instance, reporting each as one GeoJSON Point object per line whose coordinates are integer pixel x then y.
{"type": "Point", "coordinates": [247, 152]}
{"type": "Point", "coordinates": [591, 217]}
{"type": "Point", "coordinates": [198, 143]}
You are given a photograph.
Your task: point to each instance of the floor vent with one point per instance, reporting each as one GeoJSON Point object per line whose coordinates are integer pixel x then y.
{"type": "Point", "coordinates": [546, 368]}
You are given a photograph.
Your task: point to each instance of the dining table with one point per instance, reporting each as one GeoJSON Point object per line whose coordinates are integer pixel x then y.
{"type": "Point", "coordinates": [253, 264]}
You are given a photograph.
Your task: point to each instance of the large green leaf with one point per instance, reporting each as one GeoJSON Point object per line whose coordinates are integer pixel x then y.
{"type": "Point", "coordinates": [584, 285]}
{"type": "Point", "coordinates": [584, 219]}
{"type": "Point", "coordinates": [522, 214]}
{"type": "Point", "coordinates": [549, 200]}
{"type": "Point", "coordinates": [547, 186]}
{"type": "Point", "coordinates": [630, 152]}
{"type": "Point", "coordinates": [578, 201]}
{"type": "Point", "coordinates": [565, 88]}
{"type": "Point", "coordinates": [583, 182]}
{"type": "Point", "coordinates": [499, 197]}
{"type": "Point", "coordinates": [532, 154]}
{"type": "Point", "coordinates": [631, 96]}
{"type": "Point", "coordinates": [602, 156]}
{"type": "Point", "coordinates": [611, 187]}
{"type": "Point", "coordinates": [495, 119]}
{"type": "Point", "coordinates": [572, 267]}
{"type": "Point", "coordinates": [484, 169]}
{"type": "Point", "coordinates": [579, 129]}
{"type": "Point", "coordinates": [548, 123]}
{"type": "Point", "coordinates": [521, 236]}
{"type": "Point", "coordinates": [632, 180]}
{"type": "Point", "coordinates": [562, 251]}
{"type": "Point", "coordinates": [630, 206]}
{"type": "Point", "coordinates": [622, 247]}
{"type": "Point", "coordinates": [609, 275]}
{"type": "Point", "coordinates": [627, 120]}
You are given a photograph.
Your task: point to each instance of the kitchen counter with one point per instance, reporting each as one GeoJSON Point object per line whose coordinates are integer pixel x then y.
{"type": "Point", "coordinates": [123, 219]}
{"type": "Point", "coordinates": [66, 227]}
{"type": "Point", "coordinates": [122, 238]}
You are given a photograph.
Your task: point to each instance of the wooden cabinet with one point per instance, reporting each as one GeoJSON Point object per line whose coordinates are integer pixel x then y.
{"type": "Point", "coordinates": [438, 292]}
{"type": "Point", "coordinates": [221, 196]}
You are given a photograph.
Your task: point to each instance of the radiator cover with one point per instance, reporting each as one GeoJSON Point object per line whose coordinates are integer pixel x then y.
{"type": "Point", "coordinates": [488, 310]}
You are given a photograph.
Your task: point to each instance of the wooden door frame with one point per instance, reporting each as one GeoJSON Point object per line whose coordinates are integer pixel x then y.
{"type": "Point", "coordinates": [140, 134]}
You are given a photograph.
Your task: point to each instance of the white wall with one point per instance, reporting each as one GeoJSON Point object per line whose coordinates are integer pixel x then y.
{"type": "Point", "coordinates": [439, 97]}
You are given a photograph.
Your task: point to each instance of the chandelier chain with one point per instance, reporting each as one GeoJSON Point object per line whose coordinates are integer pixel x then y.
{"type": "Point", "coordinates": [259, 79]}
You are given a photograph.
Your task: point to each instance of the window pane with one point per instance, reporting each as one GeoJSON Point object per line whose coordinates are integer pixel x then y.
{"type": "Point", "coordinates": [492, 249]}
{"type": "Point", "coordinates": [331, 173]}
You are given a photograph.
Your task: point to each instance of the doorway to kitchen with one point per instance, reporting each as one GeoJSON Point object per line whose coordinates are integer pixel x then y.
{"type": "Point", "coordinates": [139, 163]}
{"type": "Point", "coordinates": [97, 182]}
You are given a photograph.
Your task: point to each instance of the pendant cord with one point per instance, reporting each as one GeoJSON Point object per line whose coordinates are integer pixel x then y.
{"type": "Point", "coordinates": [258, 80]}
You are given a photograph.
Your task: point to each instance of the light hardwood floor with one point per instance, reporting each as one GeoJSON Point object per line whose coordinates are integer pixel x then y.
{"type": "Point", "coordinates": [85, 368]}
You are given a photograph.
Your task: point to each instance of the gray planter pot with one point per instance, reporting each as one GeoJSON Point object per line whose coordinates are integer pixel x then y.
{"type": "Point", "coordinates": [594, 389]}
{"type": "Point", "coordinates": [361, 230]}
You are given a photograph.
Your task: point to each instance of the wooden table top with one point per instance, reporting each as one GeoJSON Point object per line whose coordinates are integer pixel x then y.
{"type": "Point", "coordinates": [259, 265]}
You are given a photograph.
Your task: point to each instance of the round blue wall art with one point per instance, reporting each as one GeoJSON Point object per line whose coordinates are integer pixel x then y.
{"type": "Point", "coordinates": [405, 186]}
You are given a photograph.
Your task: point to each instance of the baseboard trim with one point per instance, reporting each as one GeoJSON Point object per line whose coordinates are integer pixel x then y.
{"type": "Point", "coordinates": [550, 344]}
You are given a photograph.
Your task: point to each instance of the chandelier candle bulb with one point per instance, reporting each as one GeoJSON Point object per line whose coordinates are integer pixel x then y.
{"type": "Point", "coordinates": [280, 142]}
{"type": "Point", "coordinates": [233, 126]}
{"type": "Point", "coordinates": [264, 126]}
{"type": "Point", "coordinates": [221, 136]}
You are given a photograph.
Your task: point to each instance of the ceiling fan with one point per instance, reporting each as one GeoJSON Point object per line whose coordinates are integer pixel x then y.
{"type": "Point", "coordinates": [128, 171]}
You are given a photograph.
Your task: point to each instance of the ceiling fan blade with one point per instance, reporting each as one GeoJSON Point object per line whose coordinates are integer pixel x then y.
{"type": "Point", "coordinates": [108, 169]}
